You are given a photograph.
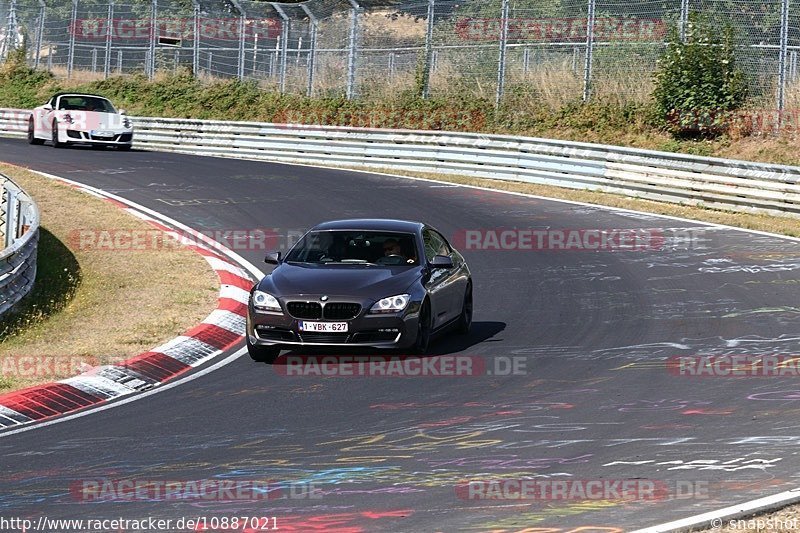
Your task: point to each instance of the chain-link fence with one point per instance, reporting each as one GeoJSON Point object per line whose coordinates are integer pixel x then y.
{"type": "Point", "coordinates": [553, 51]}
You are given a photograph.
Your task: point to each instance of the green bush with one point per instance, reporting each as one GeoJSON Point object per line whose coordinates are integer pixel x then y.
{"type": "Point", "coordinates": [697, 82]}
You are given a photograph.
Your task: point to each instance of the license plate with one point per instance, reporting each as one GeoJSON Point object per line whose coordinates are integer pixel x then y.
{"type": "Point", "coordinates": [102, 134]}
{"type": "Point", "coordinates": [324, 327]}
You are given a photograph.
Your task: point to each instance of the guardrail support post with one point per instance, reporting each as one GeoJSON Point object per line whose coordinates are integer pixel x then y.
{"type": "Point", "coordinates": [109, 36]}
{"type": "Point", "coordinates": [782, 60]}
{"type": "Point", "coordinates": [587, 66]}
{"type": "Point", "coordinates": [312, 49]}
{"type": "Point", "coordinates": [40, 33]}
{"type": "Point", "coordinates": [426, 88]}
{"type": "Point", "coordinates": [151, 67]}
{"type": "Point", "coordinates": [501, 67]}
{"type": "Point", "coordinates": [11, 213]}
{"type": "Point", "coordinates": [353, 49]}
{"type": "Point", "coordinates": [73, 30]}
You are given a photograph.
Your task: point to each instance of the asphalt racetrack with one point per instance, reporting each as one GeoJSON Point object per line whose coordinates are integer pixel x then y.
{"type": "Point", "coordinates": [592, 397]}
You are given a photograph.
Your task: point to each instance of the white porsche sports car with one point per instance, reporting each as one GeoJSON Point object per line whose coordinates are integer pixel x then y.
{"type": "Point", "coordinates": [81, 119]}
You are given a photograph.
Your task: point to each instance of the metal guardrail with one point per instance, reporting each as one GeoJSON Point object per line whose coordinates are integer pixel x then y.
{"type": "Point", "coordinates": [19, 230]}
{"type": "Point", "coordinates": [661, 176]}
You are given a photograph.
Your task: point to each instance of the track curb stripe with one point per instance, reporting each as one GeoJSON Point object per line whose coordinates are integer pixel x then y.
{"type": "Point", "coordinates": [222, 329]}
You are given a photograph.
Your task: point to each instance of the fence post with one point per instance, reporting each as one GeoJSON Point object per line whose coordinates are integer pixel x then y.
{"type": "Point", "coordinates": [94, 60]}
{"type": "Point", "coordinates": [284, 45]}
{"type": "Point", "coordinates": [587, 67]}
{"type": "Point", "coordinates": [683, 23]}
{"type": "Point", "coordinates": [242, 23]}
{"type": "Point", "coordinates": [196, 39]}
{"type": "Point", "coordinates": [426, 88]}
{"type": "Point", "coordinates": [109, 36]}
{"type": "Point", "coordinates": [526, 60]}
{"type": "Point", "coordinates": [352, 45]}
{"type": "Point", "coordinates": [119, 61]}
{"type": "Point", "coordinates": [782, 59]}
{"type": "Point", "coordinates": [501, 67]}
{"type": "Point", "coordinates": [40, 33]}
{"type": "Point", "coordinates": [151, 67]}
{"type": "Point", "coordinates": [312, 50]}
{"type": "Point", "coordinates": [73, 29]}
{"type": "Point", "coordinates": [11, 27]}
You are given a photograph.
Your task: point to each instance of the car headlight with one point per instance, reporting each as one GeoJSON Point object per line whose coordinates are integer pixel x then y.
{"type": "Point", "coordinates": [126, 123]}
{"type": "Point", "coordinates": [392, 304]}
{"type": "Point", "coordinates": [265, 302]}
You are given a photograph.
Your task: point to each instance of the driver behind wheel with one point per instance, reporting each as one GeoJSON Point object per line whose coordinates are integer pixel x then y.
{"type": "Point", "coordinates": [392, 247]}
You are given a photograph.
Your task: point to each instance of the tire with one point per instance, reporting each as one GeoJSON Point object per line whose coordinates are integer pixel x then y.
{"type": "Point", "coordinates": [56, 143]}
{"type": "Point", "coordinates": [465, 320]}
{"type": "Point", "coordinates": [262, 354]}
{"type": "Point", "coordinates": [423, 340]}
{"type": "Point", "coordinates": [31, 138]}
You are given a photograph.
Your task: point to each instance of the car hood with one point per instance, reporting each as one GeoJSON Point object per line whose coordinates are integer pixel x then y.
{"type": "Point", "coordinates": [355, 281]}
{"type": "Point", "coordinates": [103, 121]}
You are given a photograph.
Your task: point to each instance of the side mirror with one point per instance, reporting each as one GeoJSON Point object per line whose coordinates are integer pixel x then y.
{"type": "Point", "coordinates": [123, 112]}
{"type": "Point", "coordinates": [48, 107]}
{"type": "Point", "coordinates": [273, 258]}
{"type": "Point", "coordinates": [441, 261]}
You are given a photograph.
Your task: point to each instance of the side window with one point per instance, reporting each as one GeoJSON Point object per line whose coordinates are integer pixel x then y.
{"type": "Point", "coordinates": [444, 248]}
{"type": "Point", "coordinates": [434, 244]}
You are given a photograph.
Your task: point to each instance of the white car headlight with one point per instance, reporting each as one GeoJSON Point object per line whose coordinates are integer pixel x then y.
{"type": "Point", "coordinates": [263, 301]}
{"type": "Point", "coordinates": [392, 304]}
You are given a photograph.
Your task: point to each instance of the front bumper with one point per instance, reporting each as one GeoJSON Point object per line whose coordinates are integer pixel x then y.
{"type": "Point", "coordinates": [120, 137]}
{"type": "Point", "coordinates": [385, 331]}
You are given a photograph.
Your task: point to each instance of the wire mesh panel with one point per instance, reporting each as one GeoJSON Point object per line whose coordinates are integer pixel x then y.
{"type": "Point", "coordinates": [268, 42]}
{"type": "Point", "coordinates": [466, 39]}
{"type": "Point", "coordinates": [174, 34]}
{"type": "Point", "coordinates": [57, 35]}
{"type": "Point", "coordinates": [792, 67]}
{"type": "Point", "coordinates": [5, 29]}
{"type": "Point", "coordinates": [392, 49]}
{"type": "Point", "coordinates": [628, 40]}
{"type": "Point", "coordinates": [334, 35]}
{"type": "Point", "coordinates": [757, 27]}
{"type": "Point", "coordinates": [27, 14]}
{"type": "Point", "coordinates": [548, 52]}
{"type": "Point", "coordinates": [89, 32]}
{"type": "Point", "coordinates": [219, 39]}
{"type": "Point", "coordinates": [546, 58]}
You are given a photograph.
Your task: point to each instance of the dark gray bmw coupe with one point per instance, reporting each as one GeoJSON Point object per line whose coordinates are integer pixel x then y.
{"type": "Point", "coordinates": [368, 283]}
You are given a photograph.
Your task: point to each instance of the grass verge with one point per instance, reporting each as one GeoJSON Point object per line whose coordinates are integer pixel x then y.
{"type": "Point", "coordinates": [95, 306]}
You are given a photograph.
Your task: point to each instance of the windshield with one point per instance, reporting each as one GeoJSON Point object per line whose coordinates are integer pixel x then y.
{"type": "Point", "coordinates": [355, 247]}
{"type": "Point", "coordinates": [85, 103]}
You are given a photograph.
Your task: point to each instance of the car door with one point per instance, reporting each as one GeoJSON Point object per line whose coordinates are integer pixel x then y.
{"type": "Point", "coordinates": [46, 120]}
{"type": "Point", "coordinates": [440, 280]}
